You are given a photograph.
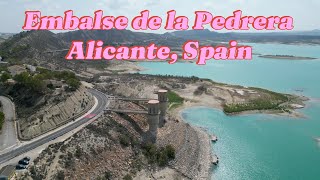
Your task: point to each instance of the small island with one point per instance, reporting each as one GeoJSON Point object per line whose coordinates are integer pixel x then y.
{"type": "Point", "coordinates": [287, 57]}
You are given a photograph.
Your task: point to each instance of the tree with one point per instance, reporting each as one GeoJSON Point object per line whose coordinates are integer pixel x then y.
{"type": "Point", "coordinates": [170, 151]}
{"type": "Point", "coordinates": [34, 83]}
{"type": "Point", "coordinates": [22, 78]}
{"type": "Point", "coordinates": [127, 177]}
{"type": "Point", "coordinates": [73, 84]}
{"type": "Point", "coordinates": [5, 76]}
{"type": "Point", "coordinates": [1, 119]}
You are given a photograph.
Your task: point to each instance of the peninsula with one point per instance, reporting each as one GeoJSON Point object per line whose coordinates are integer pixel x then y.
{"type": "Point", "coordinates": [286, 57]}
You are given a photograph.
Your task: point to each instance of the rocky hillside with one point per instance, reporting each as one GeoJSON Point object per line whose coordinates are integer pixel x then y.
{"type": "Point", "coordinates": [108, 148]}
{"type": "Point", "coordinates": [29, 44]}
{"type": "Point", "coordinates": [56, 112]}
{"type": "Point", "coordinates": [32, 47]}
{"type": "Point", "coordinates": [45, 99]}
{"type": "Point", "coordinates": [119, 37]}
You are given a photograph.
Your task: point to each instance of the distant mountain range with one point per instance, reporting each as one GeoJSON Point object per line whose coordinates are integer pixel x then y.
{"type": "Point", "coordinates": [6, 35]}
{"type": "Point", "coordinates": [125, 37]}
{"type": "Point", "coordinates": [32, 44]}
{"type": "Point", "coordinates": [298, 37]}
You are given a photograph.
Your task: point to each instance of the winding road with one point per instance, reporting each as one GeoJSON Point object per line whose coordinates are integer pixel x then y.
{"type": "Point", "coordinates": [101, 106]}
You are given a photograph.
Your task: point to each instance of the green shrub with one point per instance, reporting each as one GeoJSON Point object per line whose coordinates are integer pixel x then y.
{"type": "Point", "coordinates": [4, 77]}
{"type": "Point", "coordinates": [259, 104]}
{"type": "Point", "coordinates": [78, 152]}
{"type": "Point", "coordinates": [73, 84]}
{"type": "Point", "coordinates": [60, 175]}
{"type": "Point", "coordinates": [127, 177]}
{"type": "Point", "coordinates": [174, 99]}
{"type": "Point", "coordinates": [124, 140]}
{"type": "Point", "coordinates": [37, 83]}
{"type": "Point", "coordinates": [1, 119]}
{"type": "Point", "coordinates": [32, 82]}
{"type": "Point", "coordinates": [170, 151]}
{"type": "Point", "coordinates": [107, 175]}
{"type": "Point", "coordinates": [161, 156]}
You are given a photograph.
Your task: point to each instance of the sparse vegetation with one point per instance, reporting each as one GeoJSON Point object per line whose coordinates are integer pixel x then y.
{"type": "Point", "coordinates": [37, 84]}
{"type": "Point", "coordinates": [73, 84]}
{"type": "Point", "coordinates": [31, 82]}
{"type": "Point", "coordinates": [67, 76]}
{"type": "Point", "coordinates": [5, 76]}
{"type": "Point", "coordinates": [60, 175]}
{"type": "Point", "coordinates": [160, 156]}
{"type": "Point", "coordinates": [271, 102]}
{"type": "Point", "coordinates": [174, 99]}
{"type": "Point", "coordinates": [124, 140]}
{"type": "Point", "coordinates": [200, 90]}
{"type": "Point", "coordinates": [78, 152]}
{"type": "Point", "coordinates": [108, 175]}
{"type": "Point", "coordinates": [3, 68]}
{"type": "Point", "coordinates": [252, 105]}
{"type": "Point", "coordinates": [127, 177]}
{"type": "Point", "coordinates": [8, 50]}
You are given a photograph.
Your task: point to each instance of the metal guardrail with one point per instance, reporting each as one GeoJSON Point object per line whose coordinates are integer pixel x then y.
{"type": "Point", "coordinates": [127, 111]}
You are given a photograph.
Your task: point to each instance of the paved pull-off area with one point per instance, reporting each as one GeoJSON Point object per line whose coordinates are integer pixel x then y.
{"type": "Point", "coordinates": [8, 136]}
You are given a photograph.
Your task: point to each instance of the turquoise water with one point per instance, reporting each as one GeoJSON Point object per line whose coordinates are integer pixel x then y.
{"type": "Point", "coordinates": [260, 146]}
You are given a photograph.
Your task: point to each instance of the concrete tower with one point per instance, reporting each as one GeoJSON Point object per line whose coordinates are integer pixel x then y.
{"type": "Point", "coordinates": [163, 99]}
{"type": "Point", "coordinates": [153, 121]}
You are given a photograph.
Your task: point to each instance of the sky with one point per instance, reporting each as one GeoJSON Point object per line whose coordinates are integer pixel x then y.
{"type": "Point", "coordinates": [305, 13]}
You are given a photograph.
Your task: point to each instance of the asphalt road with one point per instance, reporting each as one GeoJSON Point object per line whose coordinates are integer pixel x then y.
{"type": "Point", "coordinates": [8, 137]}
{"type": "Point", "coordinates": [102, 103]}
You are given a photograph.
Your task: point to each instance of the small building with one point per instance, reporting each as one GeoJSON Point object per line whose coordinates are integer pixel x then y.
{"type": "Point", "coordinates": [16, 69]}
{"type": "Point", "coordinates": [8, 172]}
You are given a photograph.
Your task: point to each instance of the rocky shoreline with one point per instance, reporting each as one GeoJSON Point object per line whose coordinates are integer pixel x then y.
{"type": "Point", "coordinates": [194, 154]}
{"type": "Point", "coordinates": [193, 149]}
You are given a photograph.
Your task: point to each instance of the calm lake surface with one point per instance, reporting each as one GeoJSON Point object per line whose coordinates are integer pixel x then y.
{"type": "Point", "coordinates": [261, 147]}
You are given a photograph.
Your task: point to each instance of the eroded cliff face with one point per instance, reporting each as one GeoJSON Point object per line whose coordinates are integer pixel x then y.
{"type": "Point", "coordinates": [55, 114]}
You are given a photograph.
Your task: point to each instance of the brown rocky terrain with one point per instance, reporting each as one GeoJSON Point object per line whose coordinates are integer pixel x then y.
{"type": "Point", "coordinates": [111, 145]}
{"type": "Point", "coordinates": [59, 109]}
{"type": "Point", "coordinates": [201, 92]}
{"type": "Point", "coordinates": [108, 148]}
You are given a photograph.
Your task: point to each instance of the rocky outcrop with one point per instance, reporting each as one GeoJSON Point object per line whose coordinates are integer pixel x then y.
{"type": "Point", "coordinates": [193, 149]}
{"type": "Point", "coordinates": [52, 116]}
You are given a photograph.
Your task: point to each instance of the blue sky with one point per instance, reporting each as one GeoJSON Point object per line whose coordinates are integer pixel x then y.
{"type": "Point", "coordinates": [305, 13]}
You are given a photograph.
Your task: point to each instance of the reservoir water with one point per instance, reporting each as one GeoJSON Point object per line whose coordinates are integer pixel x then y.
{"type": "Point", "coordinates": [261, 146]}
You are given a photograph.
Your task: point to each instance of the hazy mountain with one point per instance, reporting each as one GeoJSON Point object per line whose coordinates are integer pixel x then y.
{"type": "Point", "coordinates": [315, 32]}
{"type": "Point", "coordinates": [200, 34]}
{"type": "Point", "coordinates": [26, 47]}
{"type": "Point", "coordinates": [6, 35]}
{"type": "Point", "coordinates": [1, 40]}
{"type": "Point", "coordinates": [306, 37]}
{"type": "Point", "coordinates": [120, 37]}
{"type": "Point", "coordinates": [31, 45]}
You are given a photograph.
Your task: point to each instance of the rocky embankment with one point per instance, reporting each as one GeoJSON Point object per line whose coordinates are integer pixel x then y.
{"type": "Point", "coordinates": [192, 144]}
{"type": "Point", "coordinates": [54, 114]}
{"type": "Point", "coordinates": [193, 155]}
{"type": "Point", "coordinates": [108, 148]}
